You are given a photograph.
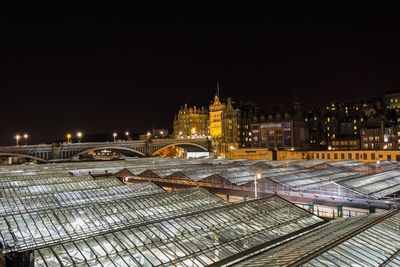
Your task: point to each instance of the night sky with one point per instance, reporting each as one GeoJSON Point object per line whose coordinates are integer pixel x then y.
{"type": "Point", "coordinates": [99, 68]}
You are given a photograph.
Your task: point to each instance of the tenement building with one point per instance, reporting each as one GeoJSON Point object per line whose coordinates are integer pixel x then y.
{"type": "Point", "coordinates": [278, 131]}
{"type": "Point", "coordinates": [379, 133]}
{"type": "Point", "coordinates": [391, 100]}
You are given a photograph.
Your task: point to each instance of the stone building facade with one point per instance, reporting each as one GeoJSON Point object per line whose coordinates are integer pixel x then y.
{"type": "Point", "coordinates": [191, 122]}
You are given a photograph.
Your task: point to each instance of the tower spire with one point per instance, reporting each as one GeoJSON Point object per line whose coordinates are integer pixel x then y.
{"type": "Point", "coordinates": [218, 89]}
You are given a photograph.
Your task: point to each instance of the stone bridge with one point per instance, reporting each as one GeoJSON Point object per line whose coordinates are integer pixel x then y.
{"type": "Point", "coordinates": [144, 148]}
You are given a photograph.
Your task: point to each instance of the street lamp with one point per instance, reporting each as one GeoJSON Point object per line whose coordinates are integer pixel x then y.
{"type": "Point", "coordinates": [148, 134]}
{"type": "Point", "coordinates": [17, 137]}
{"type": "Point", "coordinates": [256, 177]}
{"type": "Point", "coordinates": [114, 135]}
{"type": "Point", "coordinates": [79, 135]}
{"type": "Point", "coordinates": [127, 135]}
{"type": "Point", "coordinates": [69, 137]}
{"type": "Point", "coordinates": [26, 139]}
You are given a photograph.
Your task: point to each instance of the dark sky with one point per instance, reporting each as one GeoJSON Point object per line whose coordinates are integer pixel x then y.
{"type": "Point", "coordinates": [100, 68]}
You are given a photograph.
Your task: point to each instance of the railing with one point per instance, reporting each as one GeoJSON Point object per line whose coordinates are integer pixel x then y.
{"type": "Point", "coordinates": [23, 146]}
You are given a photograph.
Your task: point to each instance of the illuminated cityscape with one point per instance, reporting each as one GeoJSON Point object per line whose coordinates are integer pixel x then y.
{"type": "Point", "coordinates": [200, 136]}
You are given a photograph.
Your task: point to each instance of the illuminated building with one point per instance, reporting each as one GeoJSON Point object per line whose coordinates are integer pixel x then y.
{"type": "Point", "coordinates": [280, 135]}
{"type": "Point", "coordinates": [345, 142]}
{"type": "Point", "coordinates": [281, 130]}
{"type": "Point", "coordinates": [230, 126]}
{"type": "Point", "coordinates": [191, 122]}
{"type": "Point", "coordinates": [379, 133]}
{"type": "Point", "coordinates": [339, 120]}
{"type": "Point", "coordinates": [224, 126]}
{"type": "Point", "coordinates": [216, 110]}
{"type": "Point", "coordinates": [391, 100]}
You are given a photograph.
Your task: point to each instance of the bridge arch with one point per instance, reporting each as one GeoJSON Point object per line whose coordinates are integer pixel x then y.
{"type": "Point", "coordinates": [17, 155]}
{"type": "Point", "coordinates": [110, 148]}
{"type": "Point", "coordinates": [179, 144]}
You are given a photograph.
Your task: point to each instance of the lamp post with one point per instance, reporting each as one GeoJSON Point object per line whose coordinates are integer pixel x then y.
{"type": "Point", "coordinates": [256, 177]}
{"type": "Point", "coordinates": [26, 139]}
{"type": "Point", "coordinates": [114, 135]}
{"type": "Point", "coordinates": [162, 134]}
{"type": "Point", "coordinates": [69, 138]}
{"type": "Point", "coordinates": [79, 135]}
{"type": "Point", "coordinates": [17, 137]}
{"type": "Point", "coordinates": [148, 135]}
{"type": "Point", "coordinates": [127, 135]}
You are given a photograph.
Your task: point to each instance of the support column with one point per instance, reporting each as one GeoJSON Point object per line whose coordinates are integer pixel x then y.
{"type": "Point", "coordinates": [148, 148]}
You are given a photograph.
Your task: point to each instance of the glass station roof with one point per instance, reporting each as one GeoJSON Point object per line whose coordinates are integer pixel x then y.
{"type": "Point", "coordinates": [376, 185]}
{"type": "Point", "coordinates": [311, 177]}
{"type": "Point", "coordinates": [39, 228]}
{"type": "Point", "coordinates": [112, 190]}
{"type": "Point", "coordinates": [197, 239]}
{"type": "Point", "coordinates": [43, 181]}
{"type": "Point", "coordinates": [70, 218]}
{"type": "Point", "coordinates": [31, 176]}
{"type": "Point", "coordinates": [372, 240]}
{"type": "Point", "coordinates": [294, 174]}
{"type": "Point", "coordinates": [376, 246]}
{"type": "Point", "coordinates": [312, 243]}
{"type": "Point", "coordinates": [85, 183]}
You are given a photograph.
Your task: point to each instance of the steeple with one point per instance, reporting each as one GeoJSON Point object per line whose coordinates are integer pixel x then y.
{"type": "Point", "coordinates": [216, 97]}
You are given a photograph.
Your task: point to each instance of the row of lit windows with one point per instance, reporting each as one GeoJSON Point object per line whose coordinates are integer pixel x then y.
{"type": "Point", "coordinates": [378, 146]}
{"type": "Point", "coordinates": [344, 142]}
{"type": "Point", "coordinates": [357, 156]}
